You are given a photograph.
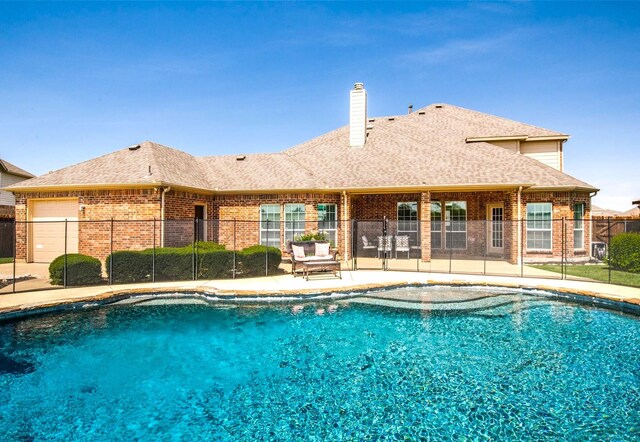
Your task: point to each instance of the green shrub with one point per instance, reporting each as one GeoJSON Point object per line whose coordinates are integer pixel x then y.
{"type": "Point", "coordinates": [174, 263]}
{"type": "Point", "coordinates": [215, 264]}
{"type": "Point", "coordinates": [128, 266]}
{"type": "Point", "coordinates": [252, 260]}
{"type": "Point", "coordinates": [81, 270]}
{"type": "Point", "coordinates": [624, 252]}
{"type": "Point", "coordinates": [213, 261]}
{"type": "Point", "coordinates": [311, 236]}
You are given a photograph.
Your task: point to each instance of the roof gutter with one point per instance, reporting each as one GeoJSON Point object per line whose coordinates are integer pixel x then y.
{"type": "Point", "coordinates": [518, 138]}
{"type": "Point", "coordinates": [96, 186]}
{"type": "Point", "coordinates": [382, 189]}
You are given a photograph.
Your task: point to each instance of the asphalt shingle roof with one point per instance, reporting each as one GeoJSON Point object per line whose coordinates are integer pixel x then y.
{"type": "Point", "coordinates": [7, 167]}
{"type": "Point", "coordinates": [426, 148]}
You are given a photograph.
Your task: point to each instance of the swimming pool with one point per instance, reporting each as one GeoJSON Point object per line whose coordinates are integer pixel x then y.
{"type": "Point", "coordinates": [483, 363]}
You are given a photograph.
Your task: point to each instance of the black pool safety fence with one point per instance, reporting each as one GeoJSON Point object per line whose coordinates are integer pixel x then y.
{"type": "Point", "coordinates": [42, 255]}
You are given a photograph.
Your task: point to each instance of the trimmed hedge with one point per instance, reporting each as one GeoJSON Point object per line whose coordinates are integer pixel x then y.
{"type": "Point", "coordinates": [624, 252]}
{"type": "Point", "coordinates": [81, 270]}
{"type": "Point", "coordinates": [212, 261]}
{"type": "Point", "coordinates": [252, 260]}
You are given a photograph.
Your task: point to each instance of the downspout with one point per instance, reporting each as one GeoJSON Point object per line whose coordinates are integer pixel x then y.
{"type": "Point", "coordinates": [345, 225]}
{"type": "Point", "coordinates": [519, 218]}
{"type": "Point", "coordinates": [162, 220]}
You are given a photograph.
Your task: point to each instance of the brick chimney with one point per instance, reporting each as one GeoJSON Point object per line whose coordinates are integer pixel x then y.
{"type": "Point", "coordinates": [358, 115]}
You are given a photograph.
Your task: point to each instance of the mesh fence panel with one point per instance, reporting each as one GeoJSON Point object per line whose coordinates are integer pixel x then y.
{"type": "Point", "coordinates": [131, 250]}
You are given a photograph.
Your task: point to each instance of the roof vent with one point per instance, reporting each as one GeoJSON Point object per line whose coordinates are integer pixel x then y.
{"type": "Point", "coordinates": [421, 112]}
{"type": "Point", "coordinates": [392, 118]}
{"type": "Point", "coordinates": [410, 109]}
{"type": "Point", "coordinates": [241, 157]}
{"type": "Point", "coordinates": [134, 147]}
{"type": "Point", "coordinates": [439, 106]}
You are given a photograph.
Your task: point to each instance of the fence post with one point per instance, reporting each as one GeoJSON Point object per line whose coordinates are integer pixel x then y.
{"type": "Point", "coordinates": [15, 251]}
{"type": "Point", "coordinates": [609, 246]}
{"type": "Point", "coordinates": [266, 253]}
{"type": "Point", "coordinates": [563, 249]}
{"type": "Point", "coordinates": [153, 255]}
{"type": "Point", "coordinates": [353, 245]}
{"type": "Point", "coordinates": [450, 238]}
{"type": "Point", "coordinates": [384, 243]}
{"type": "Point", "coordinates": [233, 271]}
{"type": "Point", "coordinates": [111, 254]}
{"type": "Point", "coordinates": [484, 270]}
{"type": "Point", "coordinates": [64, 269]}
{"type": "Point", "coordinates": [523, 243]}
{"type": "Point", "coordinates": [193, 249]}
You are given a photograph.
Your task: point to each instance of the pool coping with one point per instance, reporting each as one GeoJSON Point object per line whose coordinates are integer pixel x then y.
{"type": "Point", "coordinates": [240, 290]}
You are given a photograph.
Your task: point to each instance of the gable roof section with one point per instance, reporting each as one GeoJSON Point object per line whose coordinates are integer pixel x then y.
{"type": "Point", "coordinates": [148, 165]}
{"type": "Point", "coordinates": [426, 149]}
{"type": "Point", "coordinates": [7, 167]}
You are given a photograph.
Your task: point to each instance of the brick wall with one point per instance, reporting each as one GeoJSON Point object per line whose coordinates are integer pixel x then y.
{"type": "Point", "coordinates": [246, 210]}
{"type": "Point", "coordinates": [136, 209]}
{"type": "Point", "coordinates": [477, 226]}
{"type": "Point", "coordinates": [562, 207]}
{"type": "Point", "coordinates": [179, 229]}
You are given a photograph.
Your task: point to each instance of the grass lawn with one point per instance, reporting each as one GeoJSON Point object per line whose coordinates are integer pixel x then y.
{"type": "Point", "coordinates": [6, 260]}
{"type": "Point", "coordinates": [597, 272]}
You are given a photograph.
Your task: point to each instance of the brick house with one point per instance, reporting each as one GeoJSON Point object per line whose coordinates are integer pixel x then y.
{"type": "Point", "coordinates": [9, 174]}
{"type": "Point", "coordinates": [455, 181]}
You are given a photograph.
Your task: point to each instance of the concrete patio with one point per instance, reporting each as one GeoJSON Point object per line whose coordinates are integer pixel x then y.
{"type": "Point", "coordinates": [287, 285]}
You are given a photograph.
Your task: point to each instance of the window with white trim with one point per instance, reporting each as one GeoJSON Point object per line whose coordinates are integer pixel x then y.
{"type": "Point", "coordinates": [328, 221]}
{"type": "Point", "coordinates": [408, 221]}
{"type": "Point", "coordinates": [539, 226]}
{"type": "Point", "coordinates": [293, 221]}
{"type": "Point", "coordinates": [456, 224]}
{"type": "Point", "coordinates": [436, 225]}
{"type": "Point", "coordinates": [578, 226]}
{"type": "Point", "coordinates": [270, 225]}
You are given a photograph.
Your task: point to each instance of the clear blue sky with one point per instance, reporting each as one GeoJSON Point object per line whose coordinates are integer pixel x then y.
{"type": "Point", "coordinates": [79, 80]}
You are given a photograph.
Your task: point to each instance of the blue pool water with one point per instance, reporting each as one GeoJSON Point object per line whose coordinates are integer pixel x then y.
{"type": "Point", "coordinates": [522, 367]}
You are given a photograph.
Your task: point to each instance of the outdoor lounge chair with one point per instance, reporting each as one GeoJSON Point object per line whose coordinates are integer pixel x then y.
{"type": "Point", "coordinates": [402, 245]}
{"type": "Point", "coordinates": [385, 244]}
{"type": "Point", "coordinates": [366, 245]}
{"type": "Point", "coordinates": [313, 256]}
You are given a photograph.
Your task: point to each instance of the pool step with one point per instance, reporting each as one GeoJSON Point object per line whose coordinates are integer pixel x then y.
{"type": "Point", "coordinates": [472, 305]}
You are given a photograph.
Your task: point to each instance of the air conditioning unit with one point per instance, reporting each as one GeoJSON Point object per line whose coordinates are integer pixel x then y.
{"type": "Point", "coordinates": [598, 250]}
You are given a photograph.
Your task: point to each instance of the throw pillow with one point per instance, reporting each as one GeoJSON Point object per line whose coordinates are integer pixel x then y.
{"type": "Point", "coordinates": [322, 249]}
{"type": "Point", "coordinates": [298, 251]}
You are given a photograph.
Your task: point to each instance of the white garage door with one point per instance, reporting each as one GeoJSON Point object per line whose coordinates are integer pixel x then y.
{"type": "Point", "coordinates": [48, 229]}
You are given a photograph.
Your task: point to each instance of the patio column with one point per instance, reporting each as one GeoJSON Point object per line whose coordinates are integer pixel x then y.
{"type": "Point", "coordinates": [513, 232]}
{"type": "Point", "coordinates": [425, 226]}
{"type": "Point", "coordinates": [345, 240]}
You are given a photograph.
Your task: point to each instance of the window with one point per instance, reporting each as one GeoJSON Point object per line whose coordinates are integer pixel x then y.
{"type": "Point", "coordinates": [456, 224]}
{"type": "Point", "coordinates": [293, 221]}
{"type": "Point", "coordinates": [327, 221]}
{"type": "Point", "coordinates": [408, 221]}
{"type": "Point", "coordinates": [539, 226]}
{"type": "Point", "coordinates": [578, 226]}
{"type": "Point", "coordinates": [436, 225]}
{"type": "Point", "coordinates": [270, 225]}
